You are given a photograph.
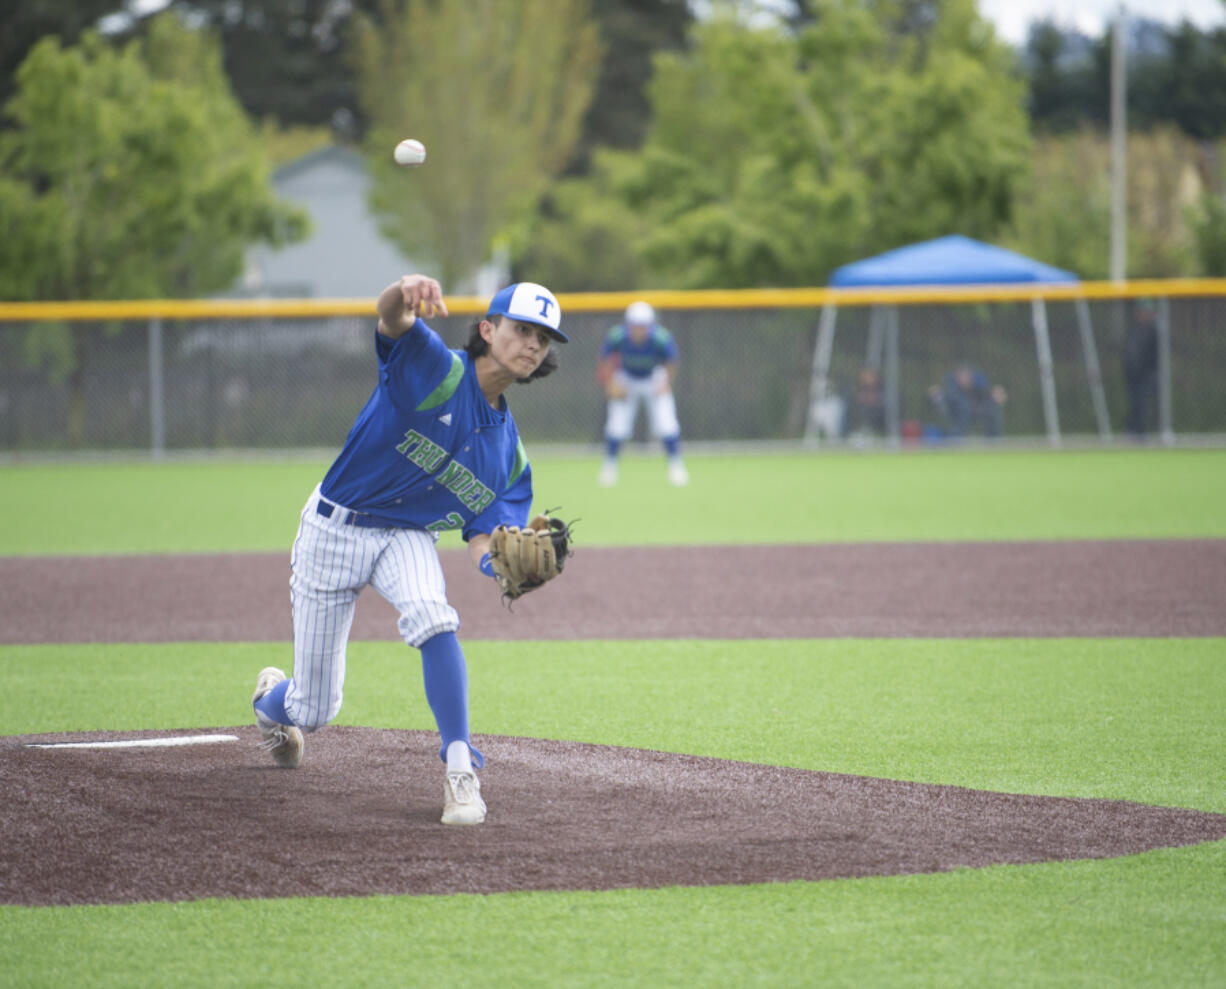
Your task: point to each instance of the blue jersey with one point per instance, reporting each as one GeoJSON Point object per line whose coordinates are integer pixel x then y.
{"type": "Point", "coordinates": [428, 451]}
{"type": "Point", "coordinates": [639, 359]}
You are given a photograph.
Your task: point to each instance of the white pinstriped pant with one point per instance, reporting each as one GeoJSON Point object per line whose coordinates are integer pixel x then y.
{"type": "Point", "coordinates": [661, 408]}
{"type": "Point", "coordinates": [332, 563]}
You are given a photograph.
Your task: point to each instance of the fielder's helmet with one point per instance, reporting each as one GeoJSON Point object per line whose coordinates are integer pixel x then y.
{"type": "Point", "coordinates": [640, 314]}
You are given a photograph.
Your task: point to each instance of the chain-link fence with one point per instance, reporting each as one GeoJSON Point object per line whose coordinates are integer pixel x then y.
{"type": "Point", "coordinates": [744, 374]}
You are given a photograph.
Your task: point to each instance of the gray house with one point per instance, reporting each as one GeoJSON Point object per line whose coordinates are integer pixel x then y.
{"type": "Point", "coordinates": [345, 256]}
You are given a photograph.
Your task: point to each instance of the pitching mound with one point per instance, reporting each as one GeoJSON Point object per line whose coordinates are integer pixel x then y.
{"type": "Point", "coordinates": [360, 816]}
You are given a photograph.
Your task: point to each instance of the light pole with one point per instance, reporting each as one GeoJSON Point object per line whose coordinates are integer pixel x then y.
{"type": "Point", "coordinates": [1119, 167]}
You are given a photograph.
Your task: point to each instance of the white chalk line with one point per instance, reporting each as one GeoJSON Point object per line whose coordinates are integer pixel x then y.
{"type": "Point", "coordinates": [137, 743]}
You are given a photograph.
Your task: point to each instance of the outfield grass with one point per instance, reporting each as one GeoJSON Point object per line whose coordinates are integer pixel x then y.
{"type": "Point", "coordinates": [1131, 719]}
{"type": "Point", "coordinates": [228, 505]}
{"type": "Point", "coordinates": [1147, 920]}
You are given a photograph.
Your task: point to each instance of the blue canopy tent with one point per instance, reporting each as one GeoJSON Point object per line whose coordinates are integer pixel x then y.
{"type": "Point", "coordinates": [953, 260]}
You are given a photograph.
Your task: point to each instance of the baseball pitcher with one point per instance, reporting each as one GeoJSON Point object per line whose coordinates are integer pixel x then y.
{"type": "Point", "coordinates": [434, 448]}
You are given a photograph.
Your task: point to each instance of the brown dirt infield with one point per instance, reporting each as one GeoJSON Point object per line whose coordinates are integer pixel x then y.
{"type": "Point", "coordinates": [360, 816]}
{"type": "Point", "coordinates": [923, 590]}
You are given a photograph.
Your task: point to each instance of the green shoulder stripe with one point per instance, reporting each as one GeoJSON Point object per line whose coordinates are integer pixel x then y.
{"type": "Point", "coordinates": [662, 336]}
{"type": "Point", "coordinates": [521, 461]}
{"type": "Point", "coordinates": [447, 388]}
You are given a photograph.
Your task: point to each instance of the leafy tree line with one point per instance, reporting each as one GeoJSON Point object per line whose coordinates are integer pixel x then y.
{"type": "Point", "coordinates": [621, 143]}
{"type": "Point", "coordinates": [130, 172]}
{"type": "Point", "coordinates": [1176, 109]}
{"type": "Point", "coordinates": [293, 61]}
{"type": "Point", "coordinates": [126, 172]}
{"type": "Point", "coordinates": [777, 151]}
{"type": "Point", "coordinates": [1176, 77]}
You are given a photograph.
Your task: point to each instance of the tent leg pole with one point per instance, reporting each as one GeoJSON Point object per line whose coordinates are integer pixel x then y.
{"type": "Point", "coordinates": [873, 347]}
{"type": "Point", "coordinates": [1047, 382]}
{"type": "Point", "coordinates": [1089, 350]}
{"type": "Point", "coordinates": [819, 380]}
{"type": "Point", "coordinates": [891, 376]}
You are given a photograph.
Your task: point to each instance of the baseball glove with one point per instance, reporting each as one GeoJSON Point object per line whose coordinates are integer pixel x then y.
{"type": "Point", "coordinates": [524, 559]}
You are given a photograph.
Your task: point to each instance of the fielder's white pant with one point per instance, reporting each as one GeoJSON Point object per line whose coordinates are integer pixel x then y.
{"type": "Point", "coordinates": [662, 408]}
{"type": "Point", "coordinates": [332, 562]}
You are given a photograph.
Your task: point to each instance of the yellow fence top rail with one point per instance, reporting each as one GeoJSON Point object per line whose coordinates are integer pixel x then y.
{"type": "Point", "coordinates": [757, 298]}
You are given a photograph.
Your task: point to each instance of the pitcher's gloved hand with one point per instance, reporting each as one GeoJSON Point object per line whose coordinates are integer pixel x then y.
{"type": "Point", "coordinates": [525, 559]}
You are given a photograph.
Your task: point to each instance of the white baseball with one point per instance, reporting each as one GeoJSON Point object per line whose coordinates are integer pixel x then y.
{"type": "Point", "coordinates": [409, 152]}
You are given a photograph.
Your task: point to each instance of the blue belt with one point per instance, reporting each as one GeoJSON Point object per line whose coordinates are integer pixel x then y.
{"type": "Point", "coordinates": [361, 519]}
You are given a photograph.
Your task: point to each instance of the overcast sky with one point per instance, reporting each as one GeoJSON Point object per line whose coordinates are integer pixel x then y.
{"type": "Point", "coordinates": [1013, 17]}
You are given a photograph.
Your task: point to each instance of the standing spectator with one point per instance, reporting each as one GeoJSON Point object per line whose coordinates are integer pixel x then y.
{"type": "Point", "coordinates": [968, 400]}
{"type": "Point", "coordinates": [638, 362]}
{"type": "Point", "coordinates": [1141, 368]}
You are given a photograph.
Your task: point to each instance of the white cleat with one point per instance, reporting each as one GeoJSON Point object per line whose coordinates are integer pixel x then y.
{"type": "Point", "coordinates": [284, 742]}
{"type": "Point", "coordinates": [608, 476]}
{"type": "Point", "coordinates": [678, 476]}
{"type": "Point", "coordinates": [462, 803]}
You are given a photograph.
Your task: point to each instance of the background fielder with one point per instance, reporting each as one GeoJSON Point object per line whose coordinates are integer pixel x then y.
{"type": "Point", "coordinates": [638, 362]}
{"type": "Point", "coordinates": [434, 448]}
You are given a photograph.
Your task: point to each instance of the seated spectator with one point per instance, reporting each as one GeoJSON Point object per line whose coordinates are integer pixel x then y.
{"type": "Point", "coordinates": [866, 406]}
{"type": "Point", "coordinates": [968, 400]}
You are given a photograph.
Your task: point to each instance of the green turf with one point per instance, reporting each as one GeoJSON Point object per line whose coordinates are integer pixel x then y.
{"type": "Point", "coordinates": [1148, 920]}
{"type": "Point", "coordinates": [1119, 718]}
{"type": "Point", "coordinates": [1135, 719]}
{"type": "Point", "coordinates": [225, 505]}
{"type": "Point", "coordinates": [1123, 718]}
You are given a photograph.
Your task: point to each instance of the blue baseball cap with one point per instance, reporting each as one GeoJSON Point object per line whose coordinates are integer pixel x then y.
{"type": "Point", "coordinates": [529, 302]}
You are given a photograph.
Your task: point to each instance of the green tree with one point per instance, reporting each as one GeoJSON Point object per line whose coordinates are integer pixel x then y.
{"type": "Point", "coordinates": [1060, 83]}
{"type": "Point", "coordinates": [1209, 228]}
{"type": "Point", "coordinates": [631, 32]}
{"type": "Point", "coordinates": [1063, 214]}
{"type": "Point", "coordinates": [1192, 90]}
{"type": "Point", "coordinates": [584, 239]}
{"type": "Point", "coordinates": [286, 59]}
{"type": "Point", "coordinates": [496, 90]}
{"type": "Point", "coordinates": [128, 173]}
{"type": "Point", "coordinates": [954, 143]}
{"type": "Point", "coordinates": [774, 155]}
{"type": "Point", "coordinates": [26, 22]}
{"type": "Point", "coordinates": [1176, 75]}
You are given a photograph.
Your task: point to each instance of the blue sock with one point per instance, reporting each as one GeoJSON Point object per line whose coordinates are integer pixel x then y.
{"type": "Point", "coordinates": [446, 678]}
{"type": "Point", "coordinates": [672, 445]}
{"type": "Point", "coordinates": [611, 447]}
{"type": "Point", "coordinates": [272, 704]}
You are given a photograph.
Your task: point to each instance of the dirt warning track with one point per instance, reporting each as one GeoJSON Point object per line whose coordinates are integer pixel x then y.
{"type": "Point", "coordinates": [927, 590]}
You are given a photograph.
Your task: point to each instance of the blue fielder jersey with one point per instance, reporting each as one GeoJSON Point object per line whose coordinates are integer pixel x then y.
{"type": "Point", "coordinates": [639, 359]}
{"type": "Point", "coordinates": [428, 451]}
